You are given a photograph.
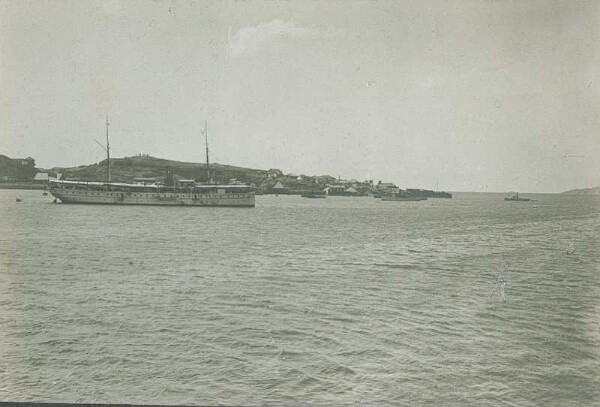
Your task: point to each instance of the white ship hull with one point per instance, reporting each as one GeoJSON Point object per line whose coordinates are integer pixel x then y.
{"type": "Point", "coordinates": [216, 196]}
{"type": "Point", "coordinates": [152, 198]}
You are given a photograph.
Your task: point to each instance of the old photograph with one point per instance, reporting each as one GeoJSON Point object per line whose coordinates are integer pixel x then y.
{"type": "Point", "coordinates": [300, 202]}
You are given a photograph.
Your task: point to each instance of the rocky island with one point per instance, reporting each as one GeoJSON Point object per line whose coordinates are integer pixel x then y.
{"type": "Point", "coordinates": [584, 191]}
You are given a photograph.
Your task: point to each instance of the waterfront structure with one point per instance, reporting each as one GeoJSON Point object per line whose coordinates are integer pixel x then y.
{"type": "Point", "coordinates": [335, 189]}
{"type": "Point", "coordinates": [427, 193]}
{"type": "Point", "coordinates": [41, 178]}
{"type": "Point", "coordinates": [279, 188]}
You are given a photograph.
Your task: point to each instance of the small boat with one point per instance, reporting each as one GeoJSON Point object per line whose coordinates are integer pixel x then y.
{"type": "Point", "coordinates": [19, 200]}
{"type": "Point", "coordinates": [45, 193]}
{"type": "Point", "coordinates": [514, 197]}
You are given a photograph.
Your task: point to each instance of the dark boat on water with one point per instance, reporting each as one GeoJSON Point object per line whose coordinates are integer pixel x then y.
{"type": "Point", "coordinates": [427, 193]}
{"type": "Point", "coordinates": [314, 195]}
{"type": "Point", "coordinates": [403, 196]}
{"type": "Point", "coordinates": [514, 197]}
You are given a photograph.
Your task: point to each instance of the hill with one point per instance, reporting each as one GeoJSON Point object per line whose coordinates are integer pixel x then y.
{"type": "Point", "coordinates": [16, 169]}
{"type": "Point", "coordinates": [127, 168]}
{"type": "Point", "coordinates": [584, 191]}
{"type": "Point", "coordinates": [20, 172]}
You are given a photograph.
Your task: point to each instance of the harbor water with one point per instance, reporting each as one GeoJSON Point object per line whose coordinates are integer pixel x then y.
{"type": "Point", "coordinates": [302, 301]}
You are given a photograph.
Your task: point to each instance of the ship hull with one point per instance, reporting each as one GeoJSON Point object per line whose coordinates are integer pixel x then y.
{"type": "Point", "coordinates": [245, 199]}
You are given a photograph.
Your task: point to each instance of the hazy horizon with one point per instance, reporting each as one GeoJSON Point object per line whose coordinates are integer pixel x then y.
{"type": "Point", "coordinates": [474, 96]}
{"type": "Point", "coordinates": [48, 168]}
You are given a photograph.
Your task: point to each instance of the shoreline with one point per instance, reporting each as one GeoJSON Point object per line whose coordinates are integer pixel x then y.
{"type": "Point", "coordinates": [23, 186]}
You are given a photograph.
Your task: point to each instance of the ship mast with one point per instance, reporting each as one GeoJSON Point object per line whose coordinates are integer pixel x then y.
{"type": "Point", "coordinates": [107, 151]}
{"type": "Point", "coordinates": [206, 143]}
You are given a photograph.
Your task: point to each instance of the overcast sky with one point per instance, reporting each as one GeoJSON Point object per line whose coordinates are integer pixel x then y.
{"type": "Point", "coordinates": [473, 95]}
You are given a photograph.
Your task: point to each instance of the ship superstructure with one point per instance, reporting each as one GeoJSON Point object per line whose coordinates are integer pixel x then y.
{"type": "Point", "coordinates": [514, 196]}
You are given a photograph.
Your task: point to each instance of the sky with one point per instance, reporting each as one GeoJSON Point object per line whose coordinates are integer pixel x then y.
{"type": "Point", "coordinates": [459, 95]}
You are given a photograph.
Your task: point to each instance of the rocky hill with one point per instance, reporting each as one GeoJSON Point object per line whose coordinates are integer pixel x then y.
{"type": "Point", "coordinates": [584, 191]}
{"type": "Point", "coordinates": [128, 168]}
{"type": "Point", "coordinates": [16, 169]}
{"type": "Point", "coordinates": [23, 170]}
{"type": "Point", "coordinates": [143, 166]}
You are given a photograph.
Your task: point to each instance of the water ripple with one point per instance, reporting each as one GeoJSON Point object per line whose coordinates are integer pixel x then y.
{"type": "Point", "coordinates": [341, 301]}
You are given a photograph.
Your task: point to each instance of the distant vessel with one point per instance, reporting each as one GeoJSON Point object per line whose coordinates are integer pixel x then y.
{"type": "Point", "coordinates": [514, 196]}
{"type": "Point", "coordinates": [427, 193]}
{"type": "Point", "coordinates": [19, 200]}
{"type": "Point", "coordinates": [177, 193]}
{"type": "Point", "coordinates": [412, 194]}
{"type": "Point", "coordinates": [314, 195]}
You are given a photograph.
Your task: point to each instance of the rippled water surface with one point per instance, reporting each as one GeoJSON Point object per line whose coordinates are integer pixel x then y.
{"type": "Point", "coordinates": [300, 301]}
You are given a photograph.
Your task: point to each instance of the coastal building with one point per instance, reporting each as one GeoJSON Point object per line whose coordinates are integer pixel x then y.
{"type": "Point", "coordinates": [40, 177]}
{"type": "Point", "coordinates": [386, 188]}
{"type": "Point", "coordinates": [279, 188]}
{"type": "Point", "coordinates": [27, 162]}
{"type": "Point", "coordinates": [351, 191]}
{"type": "Point", "coordinates": [335, 189]}
{"type": "Point", "coordinates": [274, 173]}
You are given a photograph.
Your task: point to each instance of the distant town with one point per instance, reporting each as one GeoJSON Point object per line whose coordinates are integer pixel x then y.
{"type": "Point", "coordinates": [22, 173]}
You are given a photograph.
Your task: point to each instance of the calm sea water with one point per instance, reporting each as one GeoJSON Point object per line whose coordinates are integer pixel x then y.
{"type": "Point", "coordinates": [299, 301]}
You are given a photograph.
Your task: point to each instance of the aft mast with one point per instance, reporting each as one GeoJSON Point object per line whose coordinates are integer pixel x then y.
{"type": "Point", "coordinates": [206, 143]}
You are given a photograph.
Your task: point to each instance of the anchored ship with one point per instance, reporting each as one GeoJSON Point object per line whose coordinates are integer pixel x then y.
{"type": "Point", "coordinates": [514, 196]}
{"type": "Point", "coordinates": [181, 193]}
{"type": "Point", "coordinates": [314, 195]}
{"type": "Point", "coordinates": [403, 196]}
{"type": "Point", "coordinates": [427, 193]}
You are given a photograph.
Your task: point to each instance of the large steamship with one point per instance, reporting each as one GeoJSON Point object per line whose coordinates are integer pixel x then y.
{"type": "Point", "coordinates": [179, 193]}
